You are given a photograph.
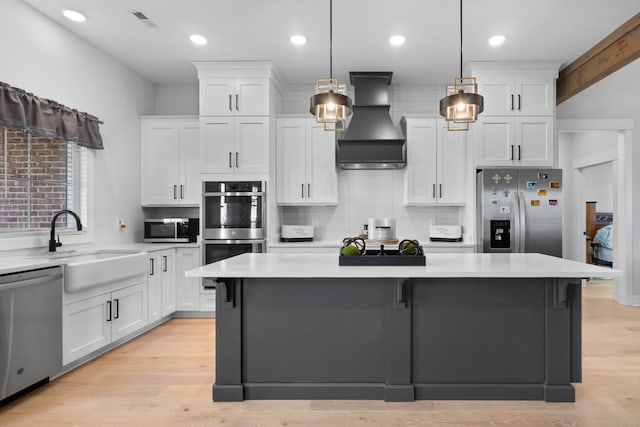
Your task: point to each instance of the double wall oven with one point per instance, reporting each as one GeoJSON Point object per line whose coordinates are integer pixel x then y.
{"type": "Point", "coordinates": [233, 218]}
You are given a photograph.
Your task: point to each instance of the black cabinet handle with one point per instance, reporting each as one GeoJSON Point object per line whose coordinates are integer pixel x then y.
{"type": "Point", "coordinates": [511, 152]}
{"type": "Point", "coordinates": [433, 191]}
{"type": "Point", "coordinates": [230, 108]}
{"type": "Point", "coordinates": [302, 190]}
{"type": "Point", "coordinates": [519, 104]}
{"type": "Point", "coordinates": [511, 102]}
{"type": "Point", "coordinates": [309, 190]}
{"type": "Point", "coordinates": [181, 191]}
{"type": "Point", "coordinates": [519, 152]}
{"type": "Point", "coordinates": [164, 259]}
{"type": "Point", "coordinates": [440, 190]}
{"type": "Point", "coordinates": [117, 304]}
{"type": "Point", "coordinates": [108, 311]}
{"type": "Point", "coordinates": [152, 266]}
{"type": "Point", "coordinates": [237, 102]}
{"type": "Point", "coordinates": [175, 187]}
{"type": "Point", "coordinates": [230, 154]}
{"type": "Point", "coordinates": [237, 163]}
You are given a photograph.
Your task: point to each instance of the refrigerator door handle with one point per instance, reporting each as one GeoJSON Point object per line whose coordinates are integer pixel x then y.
{"type": "Point", "coordinates": [523, 220]}
{"type": "Point", "coordinates": [516, 220]}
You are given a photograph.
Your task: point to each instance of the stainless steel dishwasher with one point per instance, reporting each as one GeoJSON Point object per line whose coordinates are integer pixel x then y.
{"type": "Point", "coordinates": [30, 329]}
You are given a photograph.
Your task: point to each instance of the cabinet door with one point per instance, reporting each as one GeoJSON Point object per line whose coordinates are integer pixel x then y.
{"type": "Point", "coordinates": [290, 161]}
{"type": "Point", "coordinates": [187, 288]}
{"type": "Point", "coordinates": [190, 184]}
{"type": "Point", "coordinates": [251, 97]}
{"type": "Point", "coordinates": [168, 266]}
{"type": "Point", "coordinates": [452, 166]}
{"type": "Point", "coordinates": [154, 287]}
{"type": "Point", "coordinates": [160, 163]}
{"type": "Point", "coordinates": [420, 175]}
{"type": "Point", "coordinates": [321, 174]}
{"type": "Point", "coordinates": [86, 327]}
{"type": "Point", "coordinates": [535, 96]}
{"type": "Point", "coordinates": [129, 310]}
{"type": "Point", "coordinates": [535, 141]}
{"type": "Point", "coordinates": [217, 97]}
{"type": "Point", "coordinates": [499, 95]}
{"type": "Point", "coordinates": [495, 141]}
{"type": "Point", "coordinates": [251, 137]}
{"type": "Point", "coordinates": [216, 144]}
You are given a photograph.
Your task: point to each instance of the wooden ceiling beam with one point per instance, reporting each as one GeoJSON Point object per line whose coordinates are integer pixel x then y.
{"type": "Point", "coordinates": [614, 52]}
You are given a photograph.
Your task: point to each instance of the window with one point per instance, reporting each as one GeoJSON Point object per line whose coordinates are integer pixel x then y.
{"type": "Point", "coordinates": [40, 176]}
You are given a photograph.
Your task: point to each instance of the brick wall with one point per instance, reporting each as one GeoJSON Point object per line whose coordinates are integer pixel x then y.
{"type": "Point", "coordinates": [30, 197]}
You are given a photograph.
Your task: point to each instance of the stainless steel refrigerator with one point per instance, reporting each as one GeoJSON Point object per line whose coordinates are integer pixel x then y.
{"type": "Point", "coordinates": [519, 210]}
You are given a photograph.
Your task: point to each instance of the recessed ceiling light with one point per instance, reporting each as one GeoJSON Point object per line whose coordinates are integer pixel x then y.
{"type": "Point", "coordinates": [397, 40]}
{"type": "Point", "coordinates": [298, 39]}
{"type": "Point", "coordinates": [74, 15]}
{"type": "Point", "coordinates": [497, 40]}
{"type": "Point", "coordinates": [198, 39]}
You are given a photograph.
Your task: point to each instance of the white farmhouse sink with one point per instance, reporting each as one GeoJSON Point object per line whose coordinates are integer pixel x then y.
{"type": "Point", "coordinates": [96, 268]}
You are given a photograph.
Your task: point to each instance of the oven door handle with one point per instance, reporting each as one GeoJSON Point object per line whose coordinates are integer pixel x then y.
{"type": "Point", "coordinates": [239, 193]}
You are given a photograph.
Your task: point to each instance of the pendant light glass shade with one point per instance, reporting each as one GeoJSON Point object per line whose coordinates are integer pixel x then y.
{"type": "Point", "coordinates": [463, 103]}
{"type": "Point", "coordinates": [330, 105]}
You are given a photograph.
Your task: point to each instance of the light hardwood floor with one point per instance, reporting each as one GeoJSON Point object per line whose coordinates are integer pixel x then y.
{"type": "Point", "coordinates": [164, 378]}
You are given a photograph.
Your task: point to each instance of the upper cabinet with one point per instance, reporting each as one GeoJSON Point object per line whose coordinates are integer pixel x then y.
{"type": "Point", "coordinates": [234, 145]}
{"type": "Point", "coordinates": [170, 147]}
{"type": "Point", "coordinates": [517, 126]}
{"type": "Point", "coordinates": [436, 164]}
{"type": "Point", "coordinates": [234, 97]}
{"type": "Point", "coordinates": [306, 163]}
{"type": "Point", "coordinates": [237, 102]}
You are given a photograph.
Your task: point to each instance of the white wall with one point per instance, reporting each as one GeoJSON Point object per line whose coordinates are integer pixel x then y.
{"type": "Point", "coordinates": [598, 186]}
{"type": "Point", "coordinates": [177, 100]}
{"type": "Point", "coordinates": [615, 97]}
{"type": "Point", "coordinates": [41, 57]}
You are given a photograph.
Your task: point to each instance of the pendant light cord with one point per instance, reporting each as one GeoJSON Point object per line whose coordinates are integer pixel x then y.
{"type": "Point", "coordinates": [331, 39]}
{"type": "Point", "coordinates": [461, 39]}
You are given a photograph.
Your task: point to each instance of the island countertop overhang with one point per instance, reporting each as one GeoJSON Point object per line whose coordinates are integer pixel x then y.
{"type": "Point", "coordinates": [316, 265]}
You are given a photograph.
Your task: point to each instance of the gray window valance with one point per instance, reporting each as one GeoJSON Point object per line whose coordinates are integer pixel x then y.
{"type": "Point", "coordinates": [20, 109]}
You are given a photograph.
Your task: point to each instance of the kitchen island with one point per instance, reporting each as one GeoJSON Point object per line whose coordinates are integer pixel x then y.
{"type": "Point", "coordinates": [465, 326]}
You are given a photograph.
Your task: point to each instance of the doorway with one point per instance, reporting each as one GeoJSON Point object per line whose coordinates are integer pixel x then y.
{"type": "Point", "coordinates": [586, 144]}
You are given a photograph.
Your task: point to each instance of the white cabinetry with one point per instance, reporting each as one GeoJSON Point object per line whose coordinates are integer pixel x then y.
{"type": "Point", "coordinates": [234, 144]}
{"type": "Point", "coordinates": [162, 283]}
{"type": "Point", "coordinates": [520, 141]}
{"type": "Point", "coordinates": [517, 127]}
{"type": "Point", "coordinates": [187, 288]}
{"type": "Point", "coordinates": [95, 322]}
{"type": "Point", "coordinates": [231, 97]}
{"type": "Point", "coordinates": [436, 164]}
{"type": "Point", "coordinates": [306, 168]}
{"type": "Point", "coordinates": [169, 154]}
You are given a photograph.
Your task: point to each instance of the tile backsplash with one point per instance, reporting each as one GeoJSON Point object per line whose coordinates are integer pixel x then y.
{"type": "Point", "coordinates": [363, 194]}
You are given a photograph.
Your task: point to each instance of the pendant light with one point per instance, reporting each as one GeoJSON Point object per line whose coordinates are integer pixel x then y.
{"type": "Point", "coordinates": [462, 104]}
{"type": "Point", "coordinates": [330, 106]}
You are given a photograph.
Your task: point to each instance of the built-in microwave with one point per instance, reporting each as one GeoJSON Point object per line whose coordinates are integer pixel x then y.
{"type": "Point", "coordinates": [233, 210]}
{"type": "Point", "coordinates": [171, 230]}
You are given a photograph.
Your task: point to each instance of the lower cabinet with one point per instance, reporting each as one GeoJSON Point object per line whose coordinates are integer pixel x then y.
{"type": "Point", "coordinates": [93, 323]}
{"type": "Point", "coordinates": [162, 283]}
{"type": "Point", "coordinates": [187, 288]}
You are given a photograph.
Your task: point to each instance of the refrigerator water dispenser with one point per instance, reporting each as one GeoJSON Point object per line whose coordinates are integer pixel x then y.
{"type": "Point", "coordinates": [500, 234]}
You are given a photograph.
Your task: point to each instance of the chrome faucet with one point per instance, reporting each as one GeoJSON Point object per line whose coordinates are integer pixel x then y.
{"type": "Point", "coordinates": [52, 239]}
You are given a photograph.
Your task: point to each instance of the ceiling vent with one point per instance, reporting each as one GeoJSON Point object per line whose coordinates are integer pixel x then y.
{"type": "Point", "coordinates": [144, 18]}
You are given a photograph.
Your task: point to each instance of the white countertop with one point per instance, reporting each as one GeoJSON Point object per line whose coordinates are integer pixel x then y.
{"type": "Point", "coordinates": [13, 264]}
{"type": "Point", "coordinates": [307, 265]}
{"type": "Point", "coordinates": [337, 243]}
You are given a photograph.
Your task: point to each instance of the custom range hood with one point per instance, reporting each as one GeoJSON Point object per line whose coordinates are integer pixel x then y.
{"type": "Point", "coordinates": [371, 141]}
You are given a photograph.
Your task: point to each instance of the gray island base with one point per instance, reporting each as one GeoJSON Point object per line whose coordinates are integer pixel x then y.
{"type": "Point", "coordinates": [361, 334]}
